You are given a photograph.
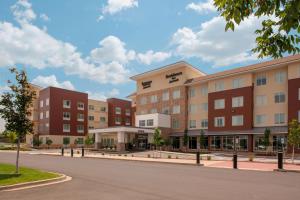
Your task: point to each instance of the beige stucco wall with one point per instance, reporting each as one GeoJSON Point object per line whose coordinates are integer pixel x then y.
{"type": "Point", "coordinates": [97, 113]}
{"type": "Point", "coordinates": [58, 139]}
{"type": "Point", "coordinates": [294, 71]}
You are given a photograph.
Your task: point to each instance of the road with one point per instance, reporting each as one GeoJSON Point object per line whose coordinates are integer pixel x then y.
{"type": "Point", "coordinates": [113, 179]}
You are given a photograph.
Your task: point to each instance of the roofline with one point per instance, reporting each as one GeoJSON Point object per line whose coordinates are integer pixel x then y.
{"type": "Point", "coordinates": [49, 87]}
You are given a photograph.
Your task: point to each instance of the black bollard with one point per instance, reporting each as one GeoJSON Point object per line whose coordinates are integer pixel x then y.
{"type": "Point", "coordinates": [82, 152]}
{"type": "Point", "coordinates": [280, 160]}
{"type": "Point", "coordinates": [235, 161]}
{"type": "Point", "coordinates": [72, 152]}
{"type": "Point", "coordinates": [62, 151]}
{"type": "Point", "coordinates": [198, 158]}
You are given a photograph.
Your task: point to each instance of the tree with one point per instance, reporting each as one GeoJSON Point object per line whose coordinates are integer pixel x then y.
{"type": "Point", "coordinates": [66, 141]}
{"type": "Point", "coordinates": [202, 139]}
{"type": "Point", "coordinates": [88, 141]}
{"type": "Point", "coordinates": [37, 141]}
{"type": "Point", "coordinates": [49, 142]}
{"type": "Point", "coordinates": [12, 137]}
{"type": "Point", "coordinates": [294, 135]}
{"type": "Point", "coordinates": [157, 139]}
{"type": "Point", "coordinates": [185, 139]}
{"type": "Point", "coordinates": [15, 108]}
{"type": "Point", "coordinates": [267, 134]}
{"type": "Point", "coordinates": [280, 28]}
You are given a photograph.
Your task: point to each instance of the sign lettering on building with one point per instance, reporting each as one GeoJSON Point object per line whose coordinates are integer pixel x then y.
{"type": "Point", "coordinates": [173, 77]}
{"type": "Point", "coordinates": [146, 84]}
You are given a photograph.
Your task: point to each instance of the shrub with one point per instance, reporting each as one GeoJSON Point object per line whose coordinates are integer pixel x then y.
{"type": "Point", "coordinates": [208, 157]}
{"type": "Point", "coordinates": [169, 156]}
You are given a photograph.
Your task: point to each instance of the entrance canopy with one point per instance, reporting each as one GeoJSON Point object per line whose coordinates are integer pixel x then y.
{"type": "Point", "coordinates": [122, 129]}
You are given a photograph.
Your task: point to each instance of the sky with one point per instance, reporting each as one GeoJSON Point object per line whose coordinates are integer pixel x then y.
{"type": "Point", "coordinates": [94, 46]}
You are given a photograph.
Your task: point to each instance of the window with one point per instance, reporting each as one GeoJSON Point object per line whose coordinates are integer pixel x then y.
{"type": "Point", "coordinates": [280, 77]}
{"type": "Point", "coordinates": [192, 92]}
{"type": "Point", "coordinates": [102, 119]}
{"type": "Point", "coordinates": [259, 143]}
{"type": "Point", "coordinates": [41, 115]}
{"type": "Point", "coordinates": [192, 108]}
{"type": "Point", "coordinates": [237, 83]}
{"type": "Point", "coordinates": [176, 142]}
{"type": "Point", "coordinates": [142, 123]}
{"type": "Point", "coordinates": [80, 129]}
{"type": "Point", "coordinates": [261, 100]}
{"type": "Point", "coordinates": [260, 119]}
{"type": "Point", "coordinates": [118, 110]}
{"type": "Point", "coordinates": [117, 120]}
{"type": "Point", "coordinates": [127, 112]}
{"type": "Point", "coordinates": [165, 96]}
{"type": "Point", "coordinates": [298, 115]}
{"type": "Point", "coordinates": [204, 123]}
{"type": "Point", "coordinates": [219, 103]}
{"type": "Point", "coordinates": [91, 127]}
{"type": "Point", "coordinates": [279, 97]}
{"type": "Point", "coordinates": [219, 121]}
{"type": "Point", "coordinates": [204, 91]}
{"type": "Point", "coordinates": [192, 142]}
{"type": "Point", "coordinates": [165, 110]}
{"type": "Point", "coordinates": [66, 116]}
{"type": "Point", "coordinates": [80, 106]}
{"type": "Point", "coordinates": [279, 118]}
{"type": "Point", "coordinates": [66, 128]}
{"type": "Point", "coordinates": [47, 102]}
{"type": "Point", "coordinates": [215, 142]}
{"type": "Point", "coordinates": [261, 79]}
{"type": "Point", "coordinates": [127, 121]}
{"type": "Point", "coordinates": [242, 142]}
{"type": "Point", "coordinates": [103, 109]}
{"type": "Point", "coordinates": [79, 140]}
{"type": "Point", "coordinates": [80, 117]}
{"type": "Point", "coordinates": [219, 86]}
{"type": "Point", "coordinates": [153, 110]}
{"type": "Point", "coordinates": [192, 123]}
{"type": "Point", "coordinates": [176, 94]}
{"type": "Point", "coordinates": [91, 107]}
{"type": "Point", "coordinates": [204, 106]}
{"type": "Point", "coordinates": [176, 109]}
{"type": "Point", "coordinates": [175, 124]}
{"type": "Point", "coordinates": [66, 140]}
{"type": "Point", "coordinates": [237, 102]}
{"type": "Point", "coordinates": [238, 120]}
{"type": "Point", "coordinates": [41, 103]}
{"type": "Point", "coordinates": [47, 114]}
{"type": "Point", "coordinates": [91, 118]}
{"type": "Point", "coordinates": [66, 103]}
{"type": "Point", "coordinates": [228, 142]}
{"type": "Point", "coordinates": [153, 98]}
{"type": "Point", "coordinates": [143, 100]}
{"type": "Point", "coordinates": [150, 122]}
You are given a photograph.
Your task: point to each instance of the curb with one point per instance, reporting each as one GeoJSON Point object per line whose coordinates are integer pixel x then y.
{"type": "Point", "coordinates": [20, 186]}
{"type": "Point", "coordinates": [286, 170]}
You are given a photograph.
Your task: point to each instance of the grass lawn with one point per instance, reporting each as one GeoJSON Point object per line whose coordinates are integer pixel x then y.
{"type": "Point", "coordinates": [7, 176]}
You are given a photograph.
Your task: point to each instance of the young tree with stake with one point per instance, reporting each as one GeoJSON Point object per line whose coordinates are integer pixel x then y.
{"type": "Point", "coordinates": [294, 136]}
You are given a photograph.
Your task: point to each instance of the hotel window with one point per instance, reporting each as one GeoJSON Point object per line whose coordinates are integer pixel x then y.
{"type": "Point", "coordinates": [80, 128]}
{"type": "Point", "coordinates": [165, 96]}
{"type": "Point", "coordinates": [261, 79]}
{"type": "Point", "coordinates": [47, 102]}
{"type": "Point", "coordinates": [175, 124]}
{"type": "Point", "coordinates": [153, 98]}
{"type": "Point", "coordinates": [91, 118]}
{"type": "Point", "coordinates": [279, 97]}
{"type": "Point", "coordinates": [238, 120]}
{"type": "Point", "coordinates": [80, 117]}
{"type": "Point", "coordinates": [118, 110]}
{"type": "Point", "coordinates": [142, 123]}
{"type": "Point", "coordinates": [219, 121]}
{"type": "Point", "coordinates": [91, 127]}
{"type": "Point", "coordinates": [204, 91]}
{"type": "Point", "coordinates": [102, 119]}
{"type": "Point", "coordinates": [150, 122]}
{"type": "Point", "coordinates": [127, 112]}
{"type": "Point", "coordinates": [143, 100]}
{"type": "Point", "coordinates": [192, 123]}
{"type": "Point", "coordinates": [204, 106]}
{"type": "Point", "coordinates": [91, 107]}
{"type": "Point", "coordinates": [261, 100]}
{"type": "Point", "coordinates": [176, 109]}
{"type": "Point", "coordinates": [103, 109]}
{"type": "Point", "coordinates": [117, 120]}
{"type": "Point", "coordinates": [153, 110]}
{"type": "Point", "coordinates": [237, 102]}
{"type": "Point", "coordinates": [165, 110]}
{"type": "Point", "coordinates": [66, 116]}
{"type": "Point", "coordinates": [280, 77]}
{"type": "Point", "coordinates": [47, 114]}
{"type": "Point", "coordinates": [204, 123]}
{"type": "Point", "coordinates": [41, 115]}
{"type": "Point", "coordinates": [66, 103]}
{"type": "Point", "coordinates": [279, 118]}
{"type": "Point", "coordinates": [66, 128]}
{"type": "Point", "coordinates": [41, 103]}
{"type": "Point", "coordinates": [260, 119]}
{"type": "Point", "coordinates": [219, 86]}
{"type": "Point", "coordinates": [192, 108]}
{"type": "Point", "coordinates": [80, 106]}
{"type": "Point", "coordinates": [176, 94]}
{"type": "Point", "coordinates": [127, 121]}
{"type": "Point", "coordinates": [299, 94]}
{"type": "Point", "coordinates": [192, 92]}
{"type": "Point", "coordinates": [237, 83]}
{"type": "Point", "coordinates": [219, 103]}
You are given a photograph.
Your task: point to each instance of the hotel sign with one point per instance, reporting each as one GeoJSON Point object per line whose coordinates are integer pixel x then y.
{"type": "Point", "coordinates": [146, 84]}
{"type": "Point", "coordinates": [173, 77]}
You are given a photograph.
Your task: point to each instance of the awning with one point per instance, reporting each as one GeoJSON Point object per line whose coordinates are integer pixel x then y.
{"type": "Point", "coordinates": [122, 129]}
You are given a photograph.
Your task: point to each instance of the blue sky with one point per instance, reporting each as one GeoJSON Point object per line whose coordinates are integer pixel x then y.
{"type": "Point", "coordinates": [94, 46]}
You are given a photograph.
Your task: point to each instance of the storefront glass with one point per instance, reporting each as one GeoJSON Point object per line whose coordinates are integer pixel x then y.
{"type": "Point", "coordinates": [242, 143]}
{"type": "Point", "coordinates": [192, 142]}
{"type": "Point", "coordinates": [176, 142]}
{"type": "Point", "coordinates": [279, 142]}
{"type": "Point", "coordinates": [215, 143]}
{"type": "Point", "coordinates": [228, 142]}
{"type": "Point", "coordinates": [204, 145]}
{"type": "Point", "coordinates": [259, 144]}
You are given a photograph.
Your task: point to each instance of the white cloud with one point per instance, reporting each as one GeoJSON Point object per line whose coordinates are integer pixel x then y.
{"type": "Point", "coordinates": [151, 57]}
{"type": "Point", "coordinates": [23, 12]}
{"type": "Point", "coordinates": [202, 7]}
{"type": "Point", "coordinates": [102, 95]}
{"type": "Point", "coordinates": [100, 18]}
{"type": "Point", "coordinates": [44, 17]}
{"type": "Point", "coordinates": [114, 92]}
{"type": "Point", "coordinates": [45, 81]}
{"type": "Point", "coordinates": [115, 6]}
{"type": "Point", "coordinates": [212, 44]}
{"type": "Point", "coordinates": [4, 88]}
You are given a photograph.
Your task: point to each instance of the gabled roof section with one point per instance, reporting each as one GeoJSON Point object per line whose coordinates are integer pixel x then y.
{"type": "Point", "coordinates": [167, 68]}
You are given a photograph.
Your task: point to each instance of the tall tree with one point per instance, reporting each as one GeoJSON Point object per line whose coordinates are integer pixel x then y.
{"type": "Point", "coordinates": [15, 108]}
{"type": "Point", "coordinates": [157, 139]}
{"type": "Point", "coordinates": [185, 139]}
{"type": "Point", "coordinates": [280, 28]}
{"type": "Point", "coordinates": [294, 136]}
{"type": "Point", "coordinates": [202, 139]}
{"type": "Point", "coordinates": [267, 134]}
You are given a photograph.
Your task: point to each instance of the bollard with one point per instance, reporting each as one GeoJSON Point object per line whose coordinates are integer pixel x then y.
{"type": "Point", "coordinates": [72, 152]}
{"type": "Point", "coordinates": [82, 152]}
{"type": "Point", "coordinates": [198, 158]}
{"type": "Point", "coordinates": [280, 160]}
{"type": "Point", "coordinates": [235, 161]}
{"type": "Point", "coordinates": [62, 151]}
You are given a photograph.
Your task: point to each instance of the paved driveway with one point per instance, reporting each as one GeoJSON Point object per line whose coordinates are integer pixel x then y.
{"type": "Point", "coordinates": [113, 179]}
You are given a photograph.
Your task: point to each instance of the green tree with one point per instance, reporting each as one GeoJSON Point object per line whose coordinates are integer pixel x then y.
{"type": "Point", "coordinates": [12, 137]}
{"type": "Point", "coordinates": [49, 142]}
{"type": "Point", "coordinates": [66, 141]}
{"type": "Point", "coordinates": [15, 108]}
{"type": "Point", "coordinates": [37, 141]}
{"type": "Point", "coordinates": [88, 141]}
{"type": "Point", "coordinates": [294, 135]}
{"type": "Point", "coordinates": [202, 139]}
{"type": "Point", "coordinates": [157, 139]}
{"type": "Point", "coordinates": [267, 134]}
{"type": "Point", "coordinates": [185, 139]}
{"type": "Point", "coordinates": [280, 28]}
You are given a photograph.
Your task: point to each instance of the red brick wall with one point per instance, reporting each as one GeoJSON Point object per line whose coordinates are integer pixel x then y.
{"type": "Point", "coordinates": [293, 100]}
{"type": "Point", "coordinates": [123, 104]}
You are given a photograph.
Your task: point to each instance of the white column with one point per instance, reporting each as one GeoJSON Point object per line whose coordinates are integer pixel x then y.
{"type": "Point", "coordinates": [121, 137]}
